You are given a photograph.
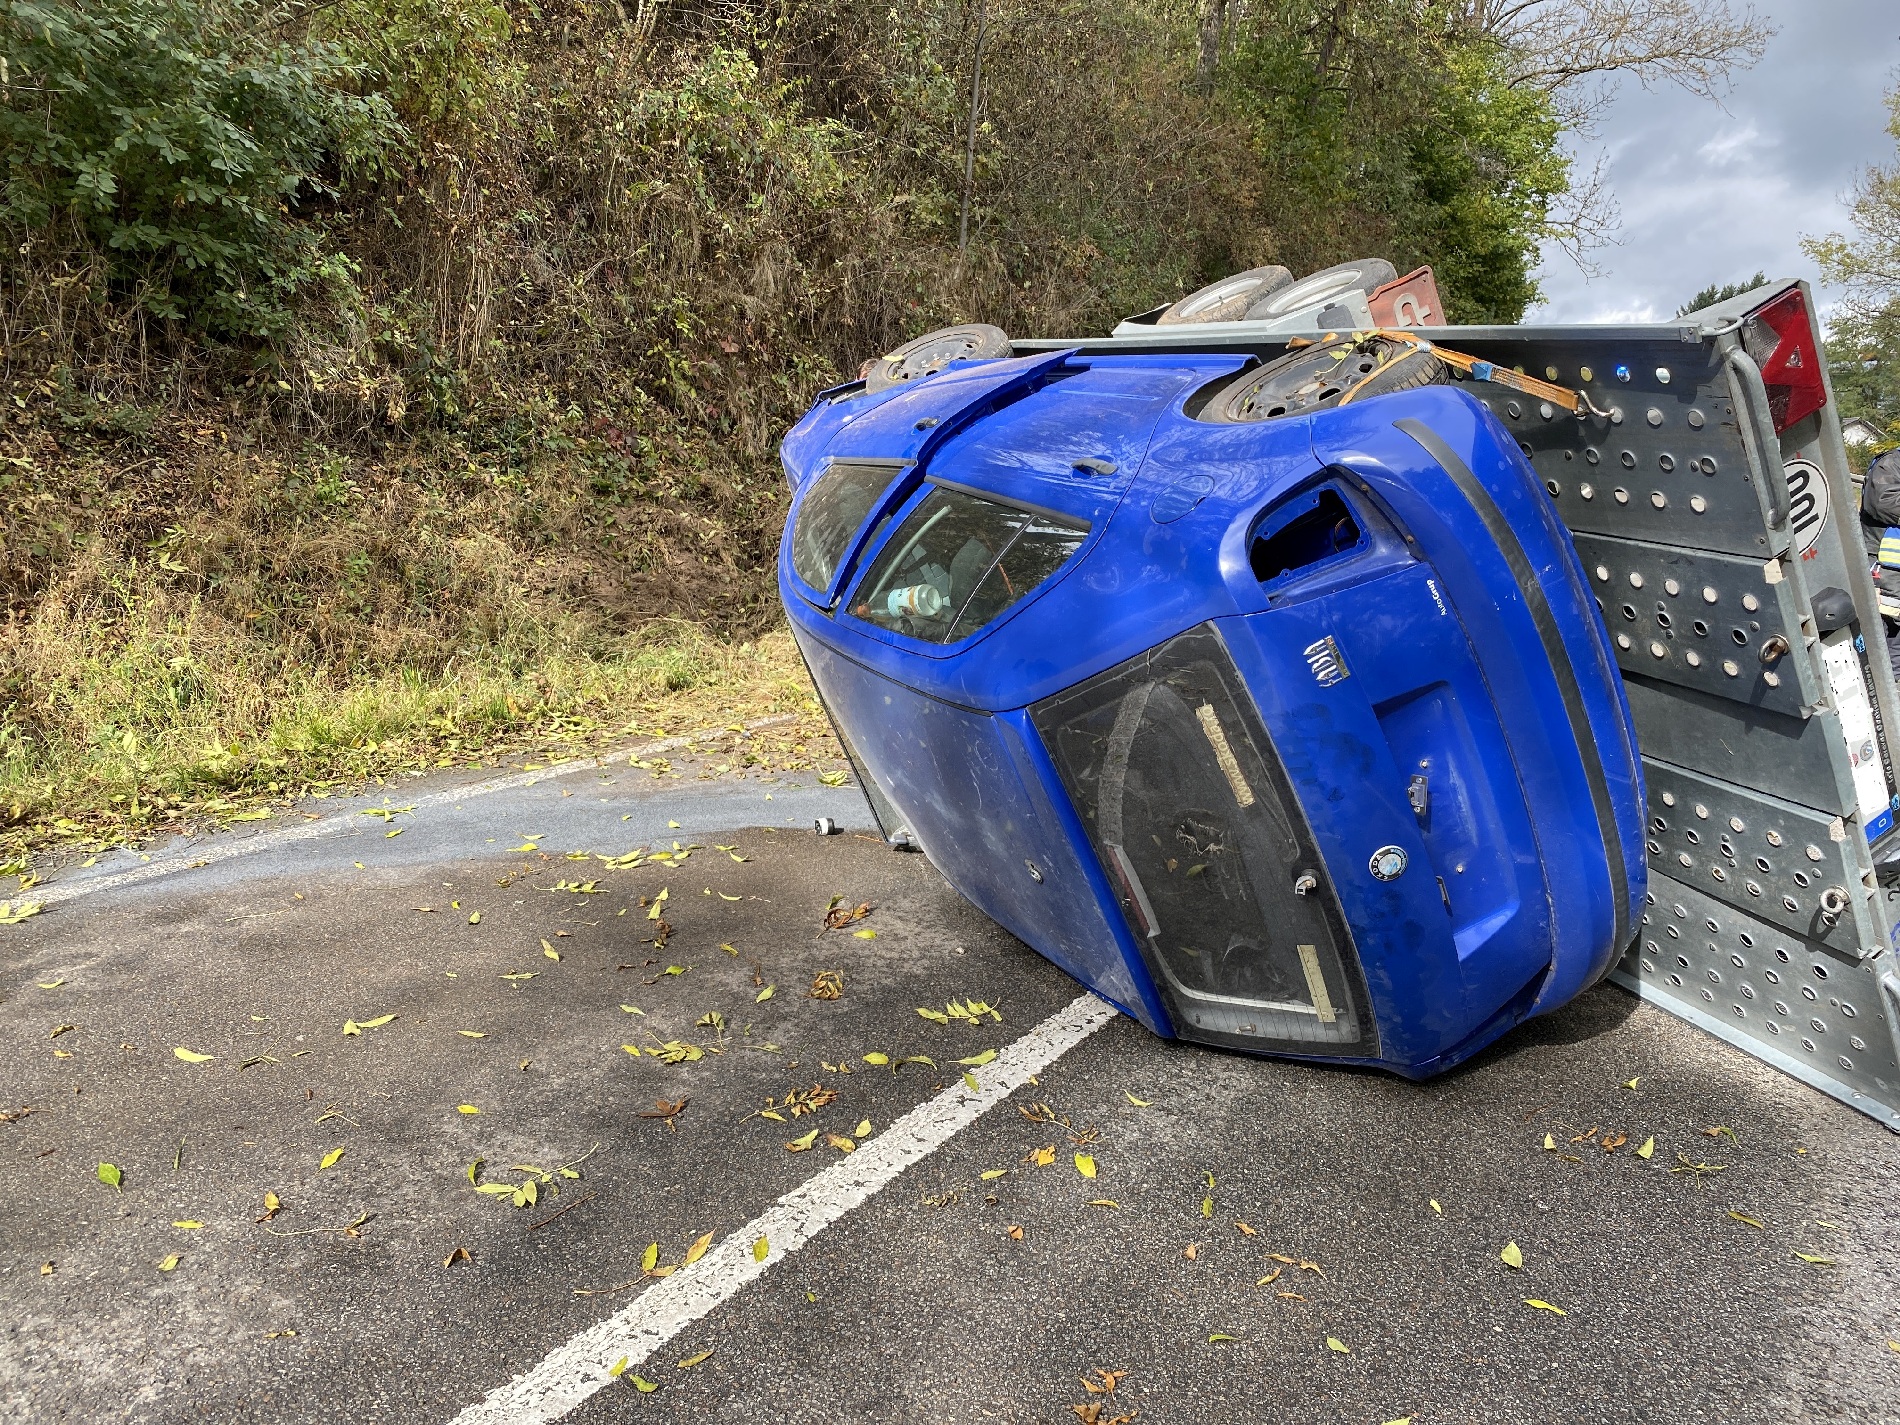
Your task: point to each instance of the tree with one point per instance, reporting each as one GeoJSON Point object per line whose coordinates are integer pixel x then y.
{"type": "Point", "coordinates": [1864, 341]}
{"type": "Point", "coordinates": [1431, 130]}
{"type": "Point", "coordinates": [1712, 293]}
{"type": "Point", "coordinates": [1386, 127]}
{"type": "Point", "coordinates": [179, 138]}
{"type": "Point", "coordinates": [1569, 48]}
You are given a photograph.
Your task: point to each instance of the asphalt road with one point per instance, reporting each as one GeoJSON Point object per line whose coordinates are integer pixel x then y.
{"type": "Point", "coordinates": [949, 1296]}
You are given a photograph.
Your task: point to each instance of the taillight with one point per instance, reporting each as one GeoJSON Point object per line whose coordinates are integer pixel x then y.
{"type": "Point", "coordinates": [1780, 338]}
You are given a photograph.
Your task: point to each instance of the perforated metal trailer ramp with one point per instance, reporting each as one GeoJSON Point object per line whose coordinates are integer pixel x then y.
{"type": "Point", "coordinates": [1713, 509]}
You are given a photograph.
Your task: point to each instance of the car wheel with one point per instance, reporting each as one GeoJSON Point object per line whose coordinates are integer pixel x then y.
{"type": "Point", "coordinates": [1328, 373]}
{"type": "Point", "coordinates": [1405, 371]}
{"type": "Point", "coordinates": [921, 356]}
{"type": "Point", "coordinates": [1229, 300]}
{"type": "Point", "coordinates": [1360, 275]}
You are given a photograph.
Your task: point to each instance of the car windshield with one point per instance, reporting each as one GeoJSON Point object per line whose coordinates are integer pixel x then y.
{"type": "Point", "coordinates": [957, 562]}
{"type": "Point", "coordinates": [832, 510]}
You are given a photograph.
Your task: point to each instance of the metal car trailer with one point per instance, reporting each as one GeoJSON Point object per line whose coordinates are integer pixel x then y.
{"type": "Point", "coordinates": [1707, 490]}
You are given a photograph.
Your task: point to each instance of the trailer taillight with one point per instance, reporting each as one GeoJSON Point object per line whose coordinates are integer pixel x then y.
{"type": "Point", "coordinates": [1780, 338]}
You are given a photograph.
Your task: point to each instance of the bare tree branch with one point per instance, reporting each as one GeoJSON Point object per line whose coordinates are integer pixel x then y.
{"type": "Point", "coordinates": [1586, 219]}
{"type": "Point", "coordinates": [1566, 47]}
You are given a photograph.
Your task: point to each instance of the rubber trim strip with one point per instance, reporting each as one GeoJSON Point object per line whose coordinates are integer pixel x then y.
{"type": "Point", "coordinates": [1061, 517]}
{"type": "Point", "coordinates": [1548, 634]}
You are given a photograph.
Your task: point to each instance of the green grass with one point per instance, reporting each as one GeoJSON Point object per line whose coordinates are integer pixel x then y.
{"type": "Point", "coordinates": [145, 727]}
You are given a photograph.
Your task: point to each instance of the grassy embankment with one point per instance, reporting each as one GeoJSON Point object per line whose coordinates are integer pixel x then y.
{"type": "Point", "coordinates": [387, 384]}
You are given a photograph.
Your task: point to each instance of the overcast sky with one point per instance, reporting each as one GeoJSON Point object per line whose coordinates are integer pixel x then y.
{"type": "Point", "coordinates": [1712, 194]}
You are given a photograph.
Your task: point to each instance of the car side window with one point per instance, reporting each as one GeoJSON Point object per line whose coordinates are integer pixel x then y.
{"type": "Point", "coordinates": [832, 510]}
{"type": "Point", "coordinates": [956, 562]}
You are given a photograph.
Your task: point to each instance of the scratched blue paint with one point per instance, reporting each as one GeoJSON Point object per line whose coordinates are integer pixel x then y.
{"type": "Point", "coordinates": [1507, 907]}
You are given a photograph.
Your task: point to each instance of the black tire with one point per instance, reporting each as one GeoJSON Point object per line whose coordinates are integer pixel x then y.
{"type": "Point", "coordinates": [1328, 373]}
{"type": "Point", "coordinates": [1407, 371]}
{"type": "Point", "coordinates": [921, 356]}
{"type": "Point", "coordinates": [1228, 300]}
{"type": "Point", "coordinates": [1328, 285]}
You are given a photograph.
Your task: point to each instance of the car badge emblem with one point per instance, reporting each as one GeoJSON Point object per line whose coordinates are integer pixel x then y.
{"type": "Point", "coordinates": [1388, 863]}
{"type": "Point", "coordinates": [1327, 662]}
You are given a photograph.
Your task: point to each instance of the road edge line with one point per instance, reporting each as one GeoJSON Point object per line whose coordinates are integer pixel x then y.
{"type": "Point", "coordinates": [577, 1369]}
{"type": "Point", "coordinates": [56, 894]}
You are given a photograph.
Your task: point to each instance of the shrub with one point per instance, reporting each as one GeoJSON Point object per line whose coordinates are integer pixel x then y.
{"type": "Point", "coordinates": [186, 141]}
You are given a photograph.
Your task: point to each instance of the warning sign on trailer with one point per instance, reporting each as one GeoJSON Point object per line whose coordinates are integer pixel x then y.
{"type": "Point", "coordinates": [1807, 504]}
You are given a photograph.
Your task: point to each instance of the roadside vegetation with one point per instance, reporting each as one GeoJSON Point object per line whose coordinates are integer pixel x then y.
{"type": "Point", "coordinates": [391, 383]}
{"type": "Point", "coordinates": [1864, 343]}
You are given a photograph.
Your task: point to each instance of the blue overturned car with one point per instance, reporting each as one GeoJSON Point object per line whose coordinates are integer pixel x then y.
{"type": "Point", "coordinates": [1263, 693]}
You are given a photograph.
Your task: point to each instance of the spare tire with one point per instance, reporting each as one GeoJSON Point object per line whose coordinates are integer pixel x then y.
{"type": "Point", "coordinates": [1328, 373]}
{"type": "Point", "coordinates": [1328, 285]}
{"type": "Point", "coordinates": [974, 341]}
{"type": "Point", "coordinates": [1231, 299]}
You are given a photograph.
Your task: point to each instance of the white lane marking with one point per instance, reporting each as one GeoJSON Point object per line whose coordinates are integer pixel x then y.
{"type": "Point", "coordinates": [264, 841]}
{"type": "Point", "coordinates": [574, 1371]}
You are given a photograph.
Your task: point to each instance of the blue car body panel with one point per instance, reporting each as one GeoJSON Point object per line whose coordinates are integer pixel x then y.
{"type": "Point", "coordinates": [1455, 642]}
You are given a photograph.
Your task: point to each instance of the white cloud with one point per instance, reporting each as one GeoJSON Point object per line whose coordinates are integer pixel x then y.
{"type": "Point", "coordinates": [1738, 145]}
{"type": "Point", "coordinates": [1714, 193]}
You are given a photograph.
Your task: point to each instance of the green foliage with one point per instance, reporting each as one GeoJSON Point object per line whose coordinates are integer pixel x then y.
{"type": "Point", "coordinates": [178, 138]}
{"type": "Point", "coordinates": [1714, 293]}
{"type": "Point", "coordinates": [1863, 359]}
{"type": "Point", "coordinates": [1389, 128]}
{"type": "Point", "coordinates": [1864, 343]}
{"type": "Point", "coordinates": [725, 135]}
{"type": "Point", "coordinates": [1487, 169]}
{"type": "Point", "coordinates": [1868, 264]}
{"type": "Point", "coordinates": [442, 64]}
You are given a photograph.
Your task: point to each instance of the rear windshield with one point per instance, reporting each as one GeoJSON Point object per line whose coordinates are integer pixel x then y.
{"type": "Point", "coordinates": [957, 562]}
{"type": "Point", "coordinates": [833, 508]}
{"type": "Point", "coordinates": [1201, 836]}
